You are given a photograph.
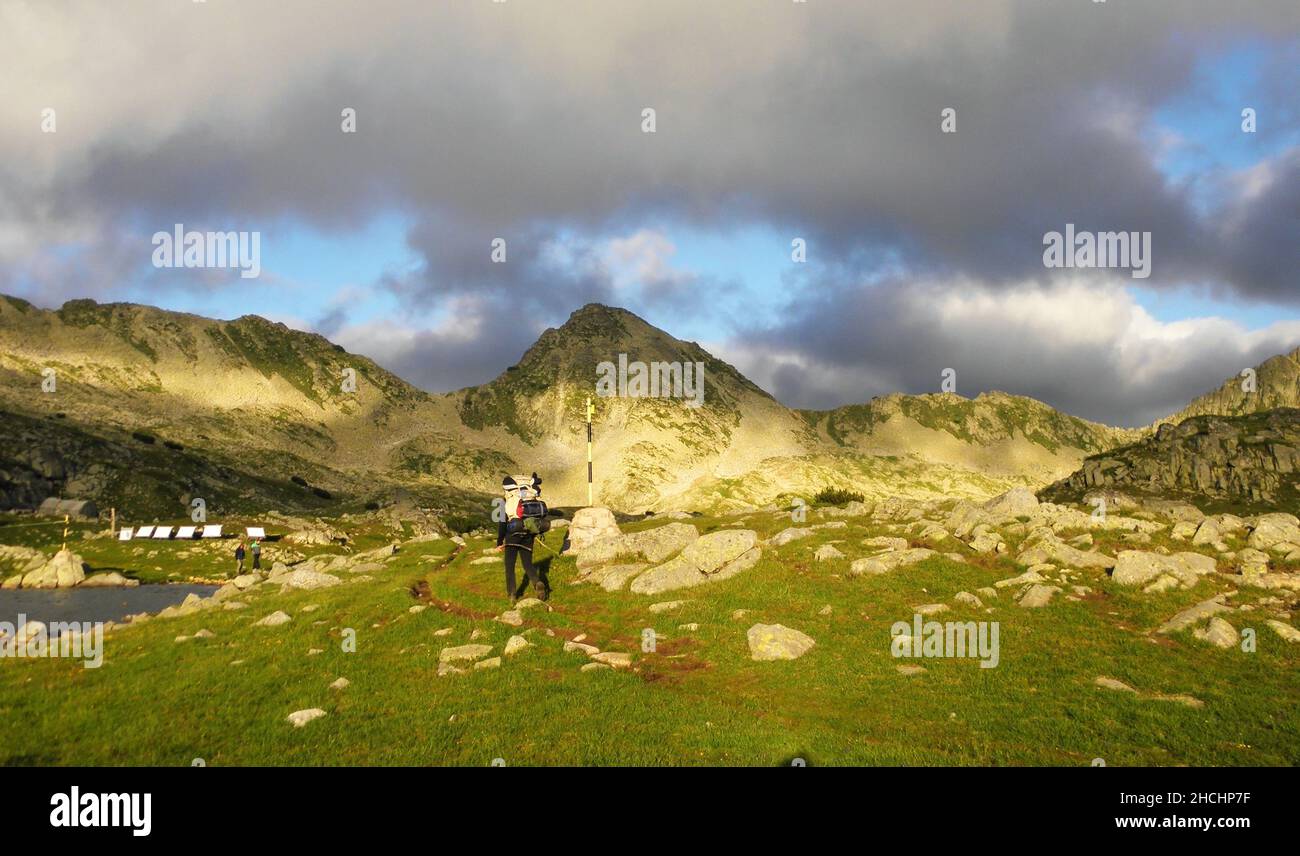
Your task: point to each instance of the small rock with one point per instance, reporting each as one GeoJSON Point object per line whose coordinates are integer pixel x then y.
{"type": "Point", "coordinates": [275, 619]}
{"type": "Point", "coordinates": [1218, 633]}
{"type": "Point", "coordinates": [777, 642]}
{"type": "Point", "coordinates": [299, 718]}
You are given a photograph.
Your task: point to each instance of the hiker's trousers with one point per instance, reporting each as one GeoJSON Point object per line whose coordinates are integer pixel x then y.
{"type": "Point", "coordinates": [523, 549]}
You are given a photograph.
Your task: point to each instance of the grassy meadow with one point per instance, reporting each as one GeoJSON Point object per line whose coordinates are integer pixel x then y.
{"type": "Point", "coordinates": [698, 698]}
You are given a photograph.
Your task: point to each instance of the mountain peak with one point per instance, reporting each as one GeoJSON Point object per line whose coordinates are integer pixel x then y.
{"type": "Point", "coordinates": [1276, 383]}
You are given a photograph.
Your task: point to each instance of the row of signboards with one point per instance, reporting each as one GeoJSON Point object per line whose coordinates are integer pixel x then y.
{"type": "Point", "coordinates": [164, 533]}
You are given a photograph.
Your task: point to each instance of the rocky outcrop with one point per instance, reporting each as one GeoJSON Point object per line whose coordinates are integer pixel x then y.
{"type": "Point", "coordinates": [1253, 459]}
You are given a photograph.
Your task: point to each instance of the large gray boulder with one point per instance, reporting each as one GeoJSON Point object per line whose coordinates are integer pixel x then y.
{"type": "Point", "coordinates": [1049, 549]}
{"type": "Point", "coordinates": [65, 570]}
{"type": "Point", "coordinates": [590, 526]}
{"type": "Point", "coordinates": [1271, 529]}
{"type": "Point", "coordinates": [712, 557]}
{"type": "Point", "coordinates": [657, 544]}
{"type": "Point", "coordinates": [654, 545]}
{"type": "Point", "coordinates": [108, 580]}
{"type": "Point", "coordinates": [1017, 502]}
{"type": "Point", "coordinates": [1135, 567]}
{"type": "Point", "coordinates": [302, 578]}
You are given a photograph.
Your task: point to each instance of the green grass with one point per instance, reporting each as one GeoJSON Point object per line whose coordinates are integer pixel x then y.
{"type": "Point", "coordinates": [698, 699]}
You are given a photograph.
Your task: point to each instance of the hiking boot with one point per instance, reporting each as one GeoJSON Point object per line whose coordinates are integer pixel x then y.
{"type": "Point", "coordinates": [541, 591]}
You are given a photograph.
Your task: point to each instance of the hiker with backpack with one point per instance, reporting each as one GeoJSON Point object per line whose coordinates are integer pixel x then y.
{"type": "Point", "coordinates": [257, 554]}
{"type": "Point", "coordinates": [523, 520]}
{"type": "Point", "coordinates": [239, 559]}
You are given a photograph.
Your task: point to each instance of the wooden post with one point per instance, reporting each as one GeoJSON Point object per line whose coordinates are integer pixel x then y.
{"type": "Point", "coordinates": [65, 531]}
{"type": "Point", "coordinates": [112, 523]}
{"type": "Point", "coordinates": [589, 496]}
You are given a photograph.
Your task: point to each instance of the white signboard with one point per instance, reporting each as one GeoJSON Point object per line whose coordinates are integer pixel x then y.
{"type": "Point", "coordinates": [162, 533]}
{"type": "Point", "coordinates": [185, 532]}
{"type": "Point", "coordinates": [125, 534]}
{"type": "Point", "coordinates": [144, 532]}
{"type": "Point", "coordinates": [212, 530]}
{"type": "Point", "coordinates": [256, 532]}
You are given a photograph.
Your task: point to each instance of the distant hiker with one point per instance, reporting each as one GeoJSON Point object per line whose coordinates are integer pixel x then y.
{"type": "Point", "coordinates": [523, 521]}
{"type": "Point", "coordinates": [257, 554]}
{"type": "Point", "coordinates": [239, 559]}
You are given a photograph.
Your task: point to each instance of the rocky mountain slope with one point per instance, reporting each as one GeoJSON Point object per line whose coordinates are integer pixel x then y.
{"type": "Point", "coordinates": [254, 412]}
{"type": "Point", "coordinates": [1276, 384]}
{"type": "Point", "coordinates": [1249, 462]}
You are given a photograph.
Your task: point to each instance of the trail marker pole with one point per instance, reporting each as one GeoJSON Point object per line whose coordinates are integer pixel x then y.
{"type": "Point", "coordinates": [589, 497]}
{"type": "Point", "coordinates": [112, 522]}
{"type": "Point", "coordinates": [65, 531]}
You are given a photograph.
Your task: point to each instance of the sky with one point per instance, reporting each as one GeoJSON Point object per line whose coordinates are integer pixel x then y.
{"type": "Point", "coordinates": [774, 122]}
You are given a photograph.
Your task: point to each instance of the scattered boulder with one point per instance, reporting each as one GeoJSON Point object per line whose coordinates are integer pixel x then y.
{"type": "Point", "coordinates": [1048, 548]}
{"type": "Point", "coordinates": [1135, 567]}
{"type": "Point", "coordinates": [341, 684]}
{"type": "Point", "coordinates": [885, 542]}
{"type": "Point", "coordinates": [307, 580]}
{"type": "Point", "coordinates": [299, 718]}
{"type": "Point", "coordinates": [275, 619]}
{"type": "Point", "coordinates": [614, 577]}
{"type": "Point", "coordinates": [777, 642]}
{"type": "Point", "coordinates": [1193, 614]}
{"type": "Point", "coordinates": [1286, 631]}
{"type": "Point", "coordinates": [616, 659]}
{"type": "Point", "coordinates": [1017, 502]}
{"type": "Point", "coordinates": [462, 653]}
{"type": "Point", "coordinates": [827, 552]}
{"type": "Point", "coordinates": [1218, 633]}
{"type": "Point", "coordinates": [889, 561]}
{"type": "Point", "coordinates": [785, 536]}
{"type": "Point", "coordinates": [110, 579]}
{"type": "Point", "coordinates": [1271, 529]}
{"type": "Point", "coordinates": [590, 526]}
{"type": "Point", "coordinates": [712, 557]}
{"type": "Point", "coordinates": [65, 570]}
{"type": "Point", "coordinates": [515, 644]}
